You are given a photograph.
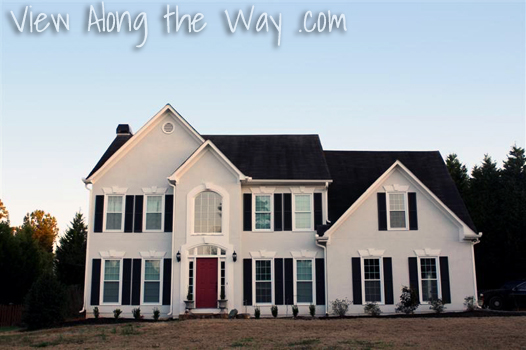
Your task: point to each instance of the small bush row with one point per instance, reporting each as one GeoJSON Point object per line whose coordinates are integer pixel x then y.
{"type": "Point", "coordinates": [135, 312]}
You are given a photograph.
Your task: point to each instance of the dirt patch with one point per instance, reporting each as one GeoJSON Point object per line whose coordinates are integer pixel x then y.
{"type": "Point", "coordinates": [361, 333]}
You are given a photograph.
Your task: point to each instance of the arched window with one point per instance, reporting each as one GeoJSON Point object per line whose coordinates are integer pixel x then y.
{"type": "Point", "coordinates": [208, 206]}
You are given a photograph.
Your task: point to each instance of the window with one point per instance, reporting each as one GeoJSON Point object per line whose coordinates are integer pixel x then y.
{"type": "Point", "coordinates": [114, 213]}
{"type": "Point", "coordinates": [429, 278]}
{"type": "Point", "coordinates": [112, 276]}
{"type": "Point", "coordinates": [304, 281]}
{"type": "Point", "coordinates": [152, 281]}
{"type": "Point", "coordinates": [263, 212]}
{"type": "Point", "coordinates": [222, 291]}
{"type": "Point", "coordinates": [372, 280]}
{"type": "Point", "coordinates": [207, 213]}
{"type": "Point", "coordinates": [191, 277]}
{"type": "Point", "coordinates": [397, 211]}
{"type": "Point", "coordinates": [154, 213]}
{"type": "Point", "coordinates": [303, 212]}
{"type": "Point", "coordinates": [263, 282]}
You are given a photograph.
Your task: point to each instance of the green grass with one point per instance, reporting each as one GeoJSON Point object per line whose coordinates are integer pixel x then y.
{"type": "Point", "coordinates": [242, 343]}
{"type": "Point", "coordinates": [365, 344]}
{"type": "Point", "coordinates": [9, 329]}
{"type": "Point", "coordinates": [306, 342]}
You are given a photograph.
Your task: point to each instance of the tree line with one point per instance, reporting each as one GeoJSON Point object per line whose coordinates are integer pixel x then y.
{"type": "Point", "coordinates": [496, 200]}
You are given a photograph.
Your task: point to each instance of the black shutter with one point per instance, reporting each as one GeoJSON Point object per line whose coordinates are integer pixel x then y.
{"type": "Point", "coordinates": [444, 280]}
{"type": "Point", "coordinates": [167, 281]}
{"type": "Point", "coordinates": [136, 282]}
{"type": "Point", "coordinates": [138, 213]}
{"type": "Point", "coordinates": [278, 212]}
{"type": "Point", "coordinates": [382, 212]}
{"type": "Point", "coordinates": [413, 218]}
{"type": "Point", "coordinates": [128, 215]}
{"type": "Point", "coordinates": [99, 214]}
{"type": "Point", "coordinates": [95, 281]}
{"type": "Point", "coordinates": [287, 212]}
{"type": "Point", "coordinates": [247, 282]}
{"type": "Point", "coordinates": [289, 282]}
{"type": "Point", "coordinates": [413, 276]}
{"type": "Point", "coordinates": [278, 277]}
{"type": "Point", "coordinates": [388, 281]}
{"type": "Point", "coordinates": [247, 212]}
{"type": "Point", "coordinates": [168, 212]}
{"type": "Point", "coordinates": [126, 281]}
{"type": "Point", "coordinates": [320, 281]}
{"type": "Point", "coordinates": [356, 281]}
{"type": "Point", "coordinates": [318, 210]}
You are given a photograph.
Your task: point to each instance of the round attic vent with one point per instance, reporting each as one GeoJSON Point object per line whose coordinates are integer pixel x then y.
{"type": "Point", "coordinates": [168, 128]}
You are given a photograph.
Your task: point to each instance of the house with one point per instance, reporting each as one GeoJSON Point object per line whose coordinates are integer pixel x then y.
{"type": "Point", "coordinates": [269, 220]}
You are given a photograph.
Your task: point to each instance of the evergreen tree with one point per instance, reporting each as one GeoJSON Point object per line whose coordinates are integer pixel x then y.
{"type": "Point", "coordinates": [4, 214]}
{"type": "Point", "coordinates": [459, 174]}
{"type": "Point", "coordinates": [70, 255]}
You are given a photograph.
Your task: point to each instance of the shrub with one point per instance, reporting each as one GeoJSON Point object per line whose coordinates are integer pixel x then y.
{"type": "Point", "coordinates": [312, 310]}
{"type": "Point", "coordinates": [340, 306]}
{"type": "Point", "coordinates": [274, 311]}
{"type": "Point", "coordinates": [372, 309]}
{"type": "Point", "coordinates": [469, 303]}
{"type": "Point", "coordinates": [257, 312]}
{"type": "Point", "coordinates": [408, 301]}
{"type": "Point", "coordinates": [156, 314]}
{"type": "Point", "coordinates": [436, 305]}
{"type": "Point", "coordinates": [295, 310]}
{"type": "Point", "coordinates": [136, 313]}
{"type": "Point", "coordinates": [96, 312]}
{"type": "Point", "coordinates": [117, 313]}
{"type": "Point", "coordinates": [45, 303]}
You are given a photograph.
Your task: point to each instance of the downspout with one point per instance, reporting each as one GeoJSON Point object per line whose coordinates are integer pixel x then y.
{"type": "Point", "coordinates": [324, 246]}
{"type": "Point", "coordinates": [473, 243]}
{"type": "Point", "coordinates": [86, 183]}
{"type": "Point", "coordinates": [172, 183]}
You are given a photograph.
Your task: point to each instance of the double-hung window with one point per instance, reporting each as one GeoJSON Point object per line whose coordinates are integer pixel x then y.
{"type": "Point", "coordinates": [208, 213]}
{"type": "Point", "coordinates": [372, 280]}
{"type": "Point", "coordinates": [114, 213]}
{"type": "Point", "coordinates": [263, 281]}
{"type": "Point", "coordinates": [111, 285]}
{"type": "Point", "coordinates": [304, 282]}
{"type": "Point", "coordinates": [429, 279]}
{"type": "Point", "coordinates": [152, 281]}
{"type": "Point", "coordinates": [303, 212]}
{"type": "Point", "coordinates": [263, 212]}
{"type": "Point", "coordinates": [397, 207]}
{"type": "Point", "coordinates": [154, 213]}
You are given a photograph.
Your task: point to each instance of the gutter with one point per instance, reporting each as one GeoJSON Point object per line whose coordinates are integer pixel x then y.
{"type": "Point", "coordinates": [324, 246]}
{"type": "Point", "coordinates": [86, 183]}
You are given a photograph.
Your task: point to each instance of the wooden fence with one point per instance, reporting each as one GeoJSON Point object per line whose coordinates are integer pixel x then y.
{"type": "Point", "coordinates": [10, 315]}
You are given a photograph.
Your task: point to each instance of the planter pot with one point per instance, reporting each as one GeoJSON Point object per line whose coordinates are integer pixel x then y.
{"type": "Point", "coordinates": [221, 303]}
{"type": "Point", "coordinates": [245, 316]}
{"type": "Point", "coordinates": [189, 304]}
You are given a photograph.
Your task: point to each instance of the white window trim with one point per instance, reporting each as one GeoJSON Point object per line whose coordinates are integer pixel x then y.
{"type": "Point", "coordinates": [143, 280]}
{"type": "Point", "coordinates": [145, 211]}
{"type": "Point", "coordinates": [311, 228]}
{"type": "Point", "coordinates": [254, 229]}
{"type": "Point", "coordinates": [439, 287]}
{"type": "Point", "coordinates": [295, 274]}
{"type": "Point", "coordinates": [105, 218]}
{"type": "Point", "coordinates": [382, 296]}
{"type": "Point", "coordinates": [406, 209]}
{"type": "Point", "coordinates": [103, 280]}
{"type": "Point", "coordinates": [271, 281]}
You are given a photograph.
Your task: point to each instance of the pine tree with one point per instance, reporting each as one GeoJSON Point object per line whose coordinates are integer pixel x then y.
{"type": "Point", "coordinates": [459, 174]}
{"type": "Point", "coordinates": [70, 255]}
{"type": "Point", "coordinates": [4, 214]}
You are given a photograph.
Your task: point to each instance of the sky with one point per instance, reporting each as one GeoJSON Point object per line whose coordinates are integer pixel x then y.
{"type": "Point", "coordinates": [411, 75]}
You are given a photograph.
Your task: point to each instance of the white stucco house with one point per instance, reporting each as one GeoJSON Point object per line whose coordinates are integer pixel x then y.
{"type": "Point", "coordinates": [269, 220]}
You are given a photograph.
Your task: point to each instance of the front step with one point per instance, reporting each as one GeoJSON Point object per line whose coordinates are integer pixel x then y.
{"type": "Point", "coordinates": [192, 316]}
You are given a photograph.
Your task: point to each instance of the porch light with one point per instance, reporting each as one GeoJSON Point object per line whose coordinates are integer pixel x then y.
{"type": "Point", "coordinates": [234, 256]}
{"type": "Point", "coordinates": [178, 256]}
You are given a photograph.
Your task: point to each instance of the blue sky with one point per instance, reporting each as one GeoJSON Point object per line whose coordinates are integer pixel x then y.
{"type": "Point", "coordinates": [413, 75]}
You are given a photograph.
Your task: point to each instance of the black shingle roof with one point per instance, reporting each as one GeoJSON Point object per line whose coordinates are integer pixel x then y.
{"type": "Point", "coordinates": [283, 157]}
{"type": "Point", "coordinates": [117, 143]}
{"type": "Point", "coordinates": [353, 172]}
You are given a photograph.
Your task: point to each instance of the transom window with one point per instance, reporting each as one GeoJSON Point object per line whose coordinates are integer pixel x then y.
{"type": "Point", "coordinates": [152, 281]}
{"type": "Point", "coordinates": [154, 213]}
{"type": "Point", "coordinates": [303, 212]}
{"type": "Point", "coordinates": [397, 210]}
{"type": "Point", "coordinates": [304, 283]}
{"type": "Point", "coordinates": [372, 280]}
{"type": "Point", "coordinates": [206, 250]}
{"type": "Point", "coordinates": [263, 281]}
{"type": "Point", "coordinates": [263, 212]}
{"type": "Point", "coordinates": [112, 276]}
{"type": "Point", "coordinates": [208, 207]}
{"type": "Point", "coordinates": [429, 278]}
{"type": "Point", "coordinates": [114, 213]}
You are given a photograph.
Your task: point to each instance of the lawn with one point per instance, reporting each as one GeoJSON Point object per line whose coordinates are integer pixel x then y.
{"type": "Point", "coordinates": [360, 334]}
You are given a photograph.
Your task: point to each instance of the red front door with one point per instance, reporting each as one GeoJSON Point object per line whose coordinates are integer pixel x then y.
{"type": "Point", "coordinates": [206, 284]}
